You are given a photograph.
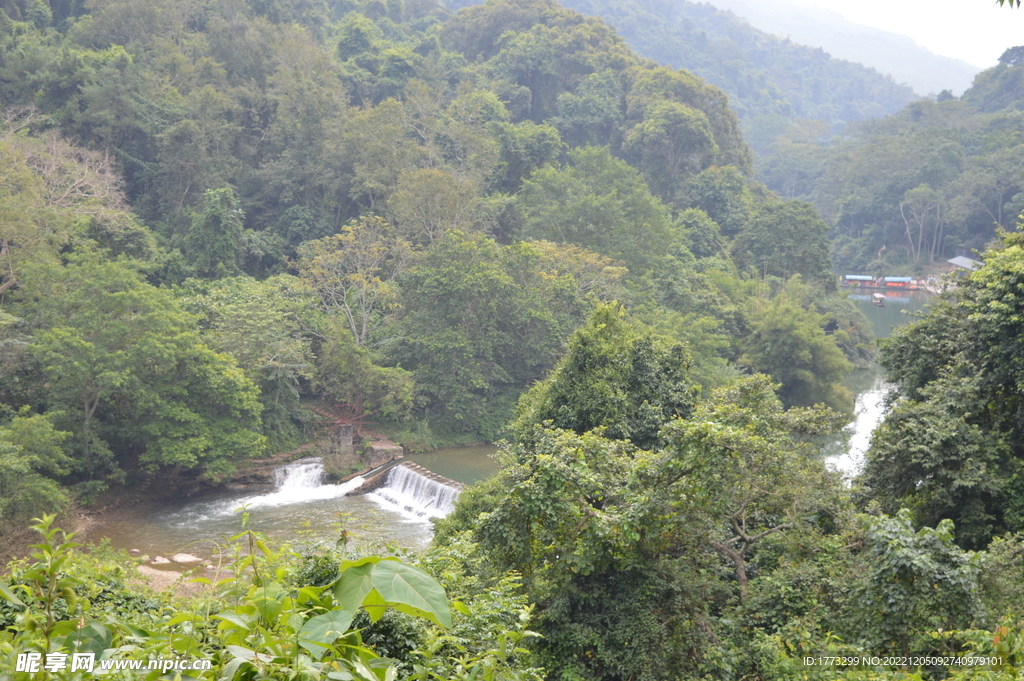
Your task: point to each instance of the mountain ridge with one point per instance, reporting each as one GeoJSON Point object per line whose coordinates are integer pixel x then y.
{"type": "Point", "coordinates": [892, 53]}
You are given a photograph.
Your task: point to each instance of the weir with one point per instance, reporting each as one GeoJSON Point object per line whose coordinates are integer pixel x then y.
{"type": "Point", "coordinates": [298, 482]}
{"type": "Point", "coordinates": [405, 487]}
{"type": "Point", "coordinates": [413, 491]}
{"type": "Point", "coordinates": [308, 472]}
{"type": "Point", "coordinates": [287, 498]}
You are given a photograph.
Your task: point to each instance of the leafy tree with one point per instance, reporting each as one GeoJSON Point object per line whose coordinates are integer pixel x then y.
{"type": "Point", "coordinates": [919, 582]}
{"type": "Point", "coordinates": [702, 236]}
{"type": "Point", "coordinates": [31, 460]}
{"type": "Point", "coordinates": [672, 142]}
{"type": "Point", "coordinates": [753, 467]}
{"type": "Point", "coordinates": [600, 203]}
{"type": "Point", "coordinates": [622, 591]}
{"type": "Point", "coordinates": [592, 114]}
{"type": "Point", "coordinates": [614, 378]}
{"type": "Point", "coordinates": [262, 325]}
{"type": "Point", "coordinates": [346, 373]}
{"type": "Point", "coordinates": [137, 386]}
{"type": "Point", "coordinates": [357, 34]}
{"type": "Point", "coordinates": [949, 449]}
{"type": "Point", "coordinates": [467, 137]}
{"type": "Point", "coordinates": [480, 323]}
{"type": "Point", "coordinates": [475, 31]}
{"type": "Point", "coordinates": [353, 273]}
{"type": "Point", "coordinates": [214, 239]}
{"type": "Point", "coordinates": [525, 147]}
{"type": "Point", "coordinates": [722, 193]}
{"type": "Point", "coordinates": [377, 144]}
{"type": "Point", "coordinates": [53, 192]}
{"type": "Point", "coordinates": [930, 457]}
{"type": "Point", "coordinates": [428, 202]}
{"type": "Point", "coordinates": [22, 236]}
{"type": "Point", "coordinates": [653, 86]}
{"type": "Point", "coordinates": [783, 239]}
{"type": "Point", "coordinates": [789, 344]}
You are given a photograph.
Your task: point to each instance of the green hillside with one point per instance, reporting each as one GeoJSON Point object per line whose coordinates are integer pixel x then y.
{"type": "Point", "coordinates": [916, 188]}
{"type": "Point", "coordinates": [768, 79]}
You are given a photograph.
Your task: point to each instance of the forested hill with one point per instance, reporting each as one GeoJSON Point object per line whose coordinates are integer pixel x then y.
{"type": "Point", "coordinates": [914, 189]}
{"type": "Point", "coordinates": [458, 227]}
{"type": "Point", "coordinates": [210, 212]}
{"type": "Point", "coordinates": [765, 76]}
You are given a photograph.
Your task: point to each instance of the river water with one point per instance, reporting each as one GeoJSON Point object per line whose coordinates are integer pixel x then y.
{"type": "Point", "coordinates": [301, 508]}
{"type": "Point", "coordinates": [847, 453]}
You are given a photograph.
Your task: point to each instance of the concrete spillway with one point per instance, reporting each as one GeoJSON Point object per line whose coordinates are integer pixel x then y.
{"type": "Point", "coordinates": [412, 490]}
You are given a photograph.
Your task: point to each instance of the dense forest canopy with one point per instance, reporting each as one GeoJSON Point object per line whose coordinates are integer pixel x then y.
{"type": "Point", "coordinates": [768, 79]}
{"type": "Point", "coordinates": [382, 205]}
{"type": "Point", "coordinates": [911, 190]}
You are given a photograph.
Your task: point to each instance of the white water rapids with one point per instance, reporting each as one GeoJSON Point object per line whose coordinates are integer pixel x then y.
{"type": "Point", "coordinates": [415, 496]}
{"type": "Point", "coordinates": [299, 508]}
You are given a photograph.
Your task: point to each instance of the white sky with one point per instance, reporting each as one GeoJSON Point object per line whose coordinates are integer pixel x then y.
{"type": "Point", "coordinates": [976, 31]}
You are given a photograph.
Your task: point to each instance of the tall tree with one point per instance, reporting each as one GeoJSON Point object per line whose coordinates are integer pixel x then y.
{"type": "Point", "coordinates": [601, 203]}
{"type": "Point", "coordinates": [951, 447]}
{"type": "Point", "coordinates": [754, 468]}
{"type": "Point", "coordinates": [672, 142]}
{"type": "Point", "coordinates": [789, 344]}
{"type": "Point", "coordinates": [786, 238]}
{"type": "Point", "coordinates": [213, 242]}
{"type": "Point", "coordinates": [354, 272]}
{"type": "Point", "coordinates": [137, 386]}
{"type": "Point", "coordinates": [614, 378]}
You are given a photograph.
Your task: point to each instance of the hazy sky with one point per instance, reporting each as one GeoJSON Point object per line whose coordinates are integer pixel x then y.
{"type": "Point", "coordinates": [976, 31]}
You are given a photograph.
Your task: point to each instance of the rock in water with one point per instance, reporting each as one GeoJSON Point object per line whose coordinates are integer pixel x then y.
{"type": "Point", "coordinates": [185, 558]}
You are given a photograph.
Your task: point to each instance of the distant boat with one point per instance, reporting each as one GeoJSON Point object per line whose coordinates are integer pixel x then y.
{"type": "Point", "coordinates": [879, 299]}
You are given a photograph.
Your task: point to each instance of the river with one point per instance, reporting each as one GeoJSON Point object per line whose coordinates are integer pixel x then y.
{"type": "Point", "coordinates": [299, 508]}
{"type": "Point", "coordinates": [847, 453]}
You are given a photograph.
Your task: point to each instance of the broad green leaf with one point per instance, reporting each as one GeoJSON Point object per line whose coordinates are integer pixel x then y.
{"type": "Point", "coordinates": [319, 632]}
{"type": "Point", "coordinates": [353, 585]}
{"type": "Point", "coordinates": [182, 617]}
{"type": "Point", "coordinates": [363, 671]}
{"type": "Point", "coordinates": [92, 638]}
{"type": "Point", "coordinates": [238, 620]}
{"type": "Point", "coordinates": [404, 585]}
{"type": "Point", "coordinates": [340, 676]}
{"type": "Point", "coordinates": [375, 605]}
{"type": "Point", "coordinates": [65, 627]}
{"type": "Point", "coordinates": [368, 560]}
{"type": "Point", "coordinates": [231, 668]}
{"type": "Point", "coordinates": [247, 654]}
{"type": "Point", "coordinates": [6, 592]}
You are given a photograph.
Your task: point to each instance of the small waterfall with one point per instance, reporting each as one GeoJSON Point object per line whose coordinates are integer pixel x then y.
{"type": "Point", "coordinates": [299, 474]}
{"type": "Point", "coordinates": [415, 496]}
{"type": "Point", "coordinates": [298, 482]}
